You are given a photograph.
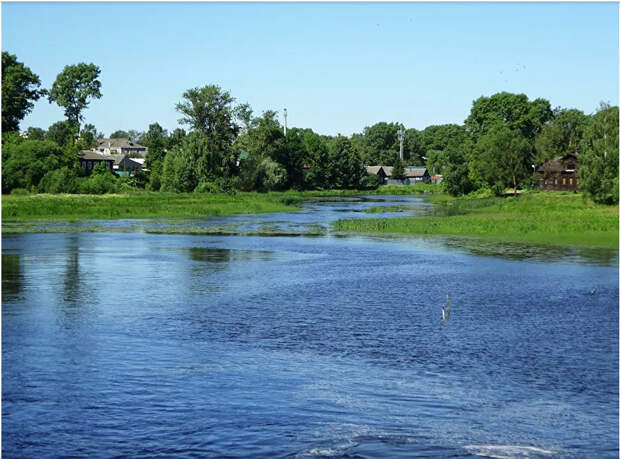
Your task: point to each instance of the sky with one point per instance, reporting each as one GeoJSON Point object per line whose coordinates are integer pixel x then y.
{"type": "Point", "coordinates": [336, 67]}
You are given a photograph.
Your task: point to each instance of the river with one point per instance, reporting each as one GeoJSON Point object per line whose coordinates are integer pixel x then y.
{"type": "Point", "coordinates": [119, 343]}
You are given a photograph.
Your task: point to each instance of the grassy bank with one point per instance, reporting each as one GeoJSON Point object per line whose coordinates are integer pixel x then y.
{"type": "Point", "coordinates": [166, 205]}
{"type": "Point", "coordinates": [536, 218]}
{"type": "Point", "coordinates": [141, 205]}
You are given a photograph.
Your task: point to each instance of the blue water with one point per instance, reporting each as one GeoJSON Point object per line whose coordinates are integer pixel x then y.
{"type": "Point", "coordinates": [142, 345]}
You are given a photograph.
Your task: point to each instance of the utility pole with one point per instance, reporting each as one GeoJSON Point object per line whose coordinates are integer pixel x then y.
{"type": "Point", "coordinates": [401, 138]}
{"type": "Point", "coordinates": [285, 122]}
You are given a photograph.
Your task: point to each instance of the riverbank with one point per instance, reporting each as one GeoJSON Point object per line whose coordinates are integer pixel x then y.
{"type": "Point", "coordinates": [75, 207]}
{"type": "Point", "coordinates": [533, 218]}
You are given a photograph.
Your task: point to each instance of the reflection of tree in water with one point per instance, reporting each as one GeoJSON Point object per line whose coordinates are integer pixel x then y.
{"type": "Point", "coordinates": [585, 255]}
{"type": "Point", "coordinates": [225, 256]}
{"type": "Point", "coordinates": [11, 275]}
{"type": "Point", "coordinates": [71, 281]}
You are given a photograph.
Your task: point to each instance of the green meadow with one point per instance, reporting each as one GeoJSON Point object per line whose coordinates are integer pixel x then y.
{"type": "Point", "coordinates": [141, 205]}
{"type": "Point", "coordinates": [534, 218]}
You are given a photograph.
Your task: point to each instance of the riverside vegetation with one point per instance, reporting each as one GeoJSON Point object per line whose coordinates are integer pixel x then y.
{"type": "Point", "coordinates": [533, 218]}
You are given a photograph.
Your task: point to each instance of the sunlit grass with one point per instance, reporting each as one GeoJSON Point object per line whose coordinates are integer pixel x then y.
{"type": "Point", "coordinates": [540, 218]}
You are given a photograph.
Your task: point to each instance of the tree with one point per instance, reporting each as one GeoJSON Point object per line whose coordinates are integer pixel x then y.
{"type": "Point", "coordinates": [560, 135]}
{"type": "Point", "coordinates": [90, 135]}
{"type": "Point", "coordinates": [513, 111]}
{"type": "Point", "coordinates": [317, 152]}
{"type": "Point", "coordinates": [344, 165]}
{"type": "Point", "coordinates": [73, 89]}
{"type": "Point", "coordinates": [381, 144]}
{"type": "Point", "coordinates": [209, 111]}
{"type": "Point", "coordinates": [156, 140]}
{"type": "Point", "coordinates": [598, 162]}
{"type": "Point", "coordinates": [35, 133]}
{"type": "Point", "coordinates": [503, 158]}
{"type": "Point", "coordinates": [60, 132]}
{"type": "Point", "coordinates": [20, 89]}
{"type": "Point", "coordinates": [25, 164]}
{"type": "Point", "coordinates": [119, 135]}
{"type": "Point", "coordinates": [398, 170]}
{"type": "Point", "coordinates": [178, 172]}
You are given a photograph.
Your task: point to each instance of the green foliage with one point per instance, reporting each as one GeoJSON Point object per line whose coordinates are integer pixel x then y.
{"type": "Point", "coordinates": [20, 89]}
{"type": "Point", "coordinates": [156, 140]}
{"type": "Point", "coordinates": [398, 170]}
{"type": "Point", "coordinates": [35, 133]}
{"type": "Point", "coordinates": [178, 172]}
{"type": "Point", "coordinates": [345, 167]}
{"type": "Point", "coordinates": [63, 180]}
{"type": "Point", "coordinates": [598, 162]}
{"type": "Point", "coordinates": [27, 162]}
{"type": "Point", "coordinates": [379, 144]}
{"type": "Point", "coordinates": [513, 111]}
{"type": "Point", "coordinates": [61, 132]}
{"type": "Point", "coordinates": [318, 154]}
{"type": "Point", "coordinates": [119, 135]}
{"type": "Point", "coordinates": [561, 135]}
{"type": "Point", "coordinates": [261, 174]}
{"type": "Point", "coordinates": [503, 158]}
{"type": "Point", "coordinates": [89, 136]}
{"type": "Point", "coordinates": [100, 181]}
{"type": "Point", "coordinates": [209, 110]}
{"type": "Point", "coordinates": [73, 88]}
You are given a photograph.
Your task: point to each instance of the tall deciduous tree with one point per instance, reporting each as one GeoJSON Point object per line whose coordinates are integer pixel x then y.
{"type": "Point", "coordinates": [73, 89]}
{"type": "Point", "coordinates": [210, 111]}
{"type": "Point", "coordinates": [60, 132]}
{"type": "Point", "coordinates": [504, 158]}
{"type": "Point", "coordinates": [561, 135]}
{"type": "Point", "coordinates": [20, 89]}
{"type": "Point", "coordinates": [598, 162]}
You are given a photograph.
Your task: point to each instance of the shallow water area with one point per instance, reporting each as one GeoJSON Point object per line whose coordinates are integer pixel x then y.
{"type": "Point", "coordinates": [240, 345]}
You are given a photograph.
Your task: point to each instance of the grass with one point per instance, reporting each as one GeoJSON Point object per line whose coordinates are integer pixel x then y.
{"type": "Point", "coordinates": [535, 218]}
{"type": "Point", "coordinates": [141, 205]}
{"type": "Point", "coordinates": [22, 208]}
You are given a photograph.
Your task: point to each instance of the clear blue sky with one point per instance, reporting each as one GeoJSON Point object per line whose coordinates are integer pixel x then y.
{"type": "Point", "coordinates": [336, 67]}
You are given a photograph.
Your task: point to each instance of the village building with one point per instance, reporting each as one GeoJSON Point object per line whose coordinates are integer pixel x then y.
{"type": "Point", "coordinates": [89, 159]}
{"type": "Point", "coordinates": [124, 166]}
{"type": "Point", "coordinates": [413, 175]}
{"type": "Point", "coordinates": [121, 147]}
{"type": "Point", "coordinates": [559, 174]}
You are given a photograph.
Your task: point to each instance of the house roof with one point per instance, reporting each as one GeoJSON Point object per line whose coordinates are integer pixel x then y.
{"type": "Point", "coordinates": [118, 143]}
{"type": "Point", "coordinates": [94, 156]}
{"type": "Point", "coordinates": [559, 164]}
{"type": "Point", "coordinates": [409, 171]}
{"type": "Point", "coordinates": [373, 169]}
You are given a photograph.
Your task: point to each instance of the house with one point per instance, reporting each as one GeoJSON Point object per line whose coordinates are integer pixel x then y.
{"type": "Point", "coordinates": [121, 146]}
{"type": "Point", "coordinates": [124, 166]}
{"type": "Point", "coordinates": [413, 175]}
{"type": "Point", "coordinates": [435, 179]}
{"type": "Point", "coordinates": [559, 174]}
{"type": "Point", "coordinates": [378, 171]}
{"type": "Point", "coordinates": [89, 159]}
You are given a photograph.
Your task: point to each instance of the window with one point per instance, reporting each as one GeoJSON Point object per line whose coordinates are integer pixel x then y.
{"type": "Point", "coordinates": [570, 180]}
{"type": "Point", "coordinates": [556, 181]}
{"type": "Point", "coordinates": [564, 181]}
{"type": "Point", "coordinates": [90, 165]}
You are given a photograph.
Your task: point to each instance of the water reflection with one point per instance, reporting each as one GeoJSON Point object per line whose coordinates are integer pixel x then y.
{"type": "Point", "coordinates": [218, 255]}
{"type": "Point", "coordinates": [11, 275]}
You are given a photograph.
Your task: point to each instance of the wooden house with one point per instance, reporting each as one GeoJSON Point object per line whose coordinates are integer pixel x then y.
{"type": "Point", "coordinates": [89, 159]}
{"type": "Point", "coordinates": [559, 174]}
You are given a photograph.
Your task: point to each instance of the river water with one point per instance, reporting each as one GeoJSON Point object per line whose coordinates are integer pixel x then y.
{"type": "Point", "coordinates": [134, 344]}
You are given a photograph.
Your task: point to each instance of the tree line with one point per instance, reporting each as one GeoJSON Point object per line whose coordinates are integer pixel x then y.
{"type": "Point", "coordinates": [223, 146]}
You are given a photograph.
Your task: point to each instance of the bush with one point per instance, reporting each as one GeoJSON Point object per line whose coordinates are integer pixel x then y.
{"type": "Point", "coordinates": [25, 163]}
{"type": "Point", "coordinates": [98, 183]}
{"type": "Point", "coordinates": [63, 180]}
{"type": "Point", "coordinates": [19, 192]}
